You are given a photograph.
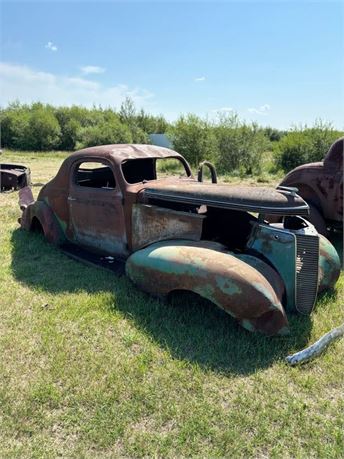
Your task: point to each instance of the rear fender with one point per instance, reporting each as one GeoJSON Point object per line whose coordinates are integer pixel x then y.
{"type": "Point", "coordinates": [235, 285]}
{"type": "Point", "coordinates": [50, 225]}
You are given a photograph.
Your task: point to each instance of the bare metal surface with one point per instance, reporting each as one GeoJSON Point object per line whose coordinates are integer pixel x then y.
{"type": "Point", "coordinates": [153, 224]}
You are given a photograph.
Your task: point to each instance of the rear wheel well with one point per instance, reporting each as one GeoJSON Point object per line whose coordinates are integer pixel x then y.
{"type": "Point", "coordinates": [36, 226]}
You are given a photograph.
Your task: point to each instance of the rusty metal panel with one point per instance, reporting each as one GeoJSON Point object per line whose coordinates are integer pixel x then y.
{"type": "Point", "coordinates": [13, 177]}
{"type": "Point", "coordinates": [153, 224]}
{"type": "Point", "coordinates": [321, 183]}
{"type": "Point", "coordinates": [207, 269]}
{"type": "Point", "coordinates": [244, 198]}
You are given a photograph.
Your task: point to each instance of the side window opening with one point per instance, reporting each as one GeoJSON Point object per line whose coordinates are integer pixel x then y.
{"type": "Point", "coordinates": [94, 175]}
{"type": "Point", "coordinates": [140, 170]}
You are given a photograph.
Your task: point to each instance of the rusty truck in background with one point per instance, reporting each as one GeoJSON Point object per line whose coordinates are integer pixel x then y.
{"type": "Point", "coordinates": [177, 233]}
{"type": "Point", "coordinates": [321, 185]}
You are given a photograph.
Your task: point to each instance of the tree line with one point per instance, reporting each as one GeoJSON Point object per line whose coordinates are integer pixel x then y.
{"type": "Point", "coordinates": [232, 144]}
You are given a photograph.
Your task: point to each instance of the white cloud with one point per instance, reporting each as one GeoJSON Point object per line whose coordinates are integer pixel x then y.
{"type": "Point", "coordinates": [19, 82]}
{"type": "Point", "coordinates": [223, 110]}
{"type": "Point", "coordinates": [88, 69]}
{"type": "Point", "coordinates": [202, 78]}
{"type": "Point", "coordinates": [50, 45]}
{"type": "Point", "coordinates": [262, 110]}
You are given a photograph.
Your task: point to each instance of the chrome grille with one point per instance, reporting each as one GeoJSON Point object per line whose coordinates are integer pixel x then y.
{"type": "Point", "coordinates": [307, 266]}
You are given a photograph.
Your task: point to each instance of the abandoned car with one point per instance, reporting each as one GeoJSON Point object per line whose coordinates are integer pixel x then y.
{"type": "Point", "coordinates": [176, 233]}
{"type": "Point", "coordinates": [13, 177]}
{"type": "Point", "coordinates": [321, 185]}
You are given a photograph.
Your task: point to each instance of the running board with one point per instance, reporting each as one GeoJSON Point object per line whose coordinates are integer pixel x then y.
{"type": "Point", "coordinates": [115, 265]}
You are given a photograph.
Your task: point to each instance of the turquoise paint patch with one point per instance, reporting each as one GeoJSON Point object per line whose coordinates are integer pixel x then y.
{"type": "Point", "coordinates": [166, 260]}
{"type": "Point", "coordinates": [228, 286]}
{"type": "Point", "coordinates": [247, 325]}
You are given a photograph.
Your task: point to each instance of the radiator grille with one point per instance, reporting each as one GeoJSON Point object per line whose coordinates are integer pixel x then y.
{"type": "Point", "coordinates": [307, 266]}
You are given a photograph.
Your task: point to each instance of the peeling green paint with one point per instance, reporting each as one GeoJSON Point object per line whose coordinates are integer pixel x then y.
{"type": "Point", "coordinates": [228, 286]}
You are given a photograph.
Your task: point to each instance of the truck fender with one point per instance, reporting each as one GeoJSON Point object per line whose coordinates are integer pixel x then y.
{"type": "Point", "coordinates": [329, 265]}
{"type": "Point", "coordinates": [207, 269]}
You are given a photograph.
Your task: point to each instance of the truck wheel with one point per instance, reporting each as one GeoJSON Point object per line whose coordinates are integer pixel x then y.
{"type": "Point", "coordinates": [316, 218]}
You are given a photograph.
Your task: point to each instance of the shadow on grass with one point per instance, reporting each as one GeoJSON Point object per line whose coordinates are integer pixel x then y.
{"type": "Point", "coordinates": [190, 328]}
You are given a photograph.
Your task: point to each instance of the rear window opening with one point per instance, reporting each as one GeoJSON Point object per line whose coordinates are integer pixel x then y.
{"type": "Point", "coordinates": [143, 170]}
{"type": "Point", "coordinates": [95, 175]}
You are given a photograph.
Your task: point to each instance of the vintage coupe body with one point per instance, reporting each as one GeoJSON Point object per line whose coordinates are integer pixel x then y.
{"type": "Point", "coordinates": [321, 185]}
{"type": "Point", "coordinates": [176, 233]}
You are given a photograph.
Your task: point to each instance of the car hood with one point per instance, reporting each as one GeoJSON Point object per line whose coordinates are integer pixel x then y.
{"type": "Point", "coordinates": [252, 199]}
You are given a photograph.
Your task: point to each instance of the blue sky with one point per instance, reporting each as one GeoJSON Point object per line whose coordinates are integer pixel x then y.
{"type": "Point", "coordinates": [278, 63]}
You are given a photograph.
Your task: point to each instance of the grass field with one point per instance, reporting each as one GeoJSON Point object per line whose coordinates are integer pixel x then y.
{"type": "Point", "coordinates": [92, 367]}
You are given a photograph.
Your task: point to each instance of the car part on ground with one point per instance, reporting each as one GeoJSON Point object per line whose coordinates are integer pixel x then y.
{"type": "Point", "coordinates": [317, 348]}
{"type": "Point", "coordinates": [14, 177]}
{"type": "Point", "coordinates": [177, 233]}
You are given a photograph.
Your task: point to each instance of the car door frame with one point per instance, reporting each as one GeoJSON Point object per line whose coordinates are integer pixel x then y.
{"type": "Point", "coordinates": [96, 214]}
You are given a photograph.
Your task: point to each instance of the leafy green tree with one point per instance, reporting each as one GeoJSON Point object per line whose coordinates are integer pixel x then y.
{"type": "Point", "coordinates": [274, 135]}
{"type": "Point", "coordinates": [151, 124]}
{"type": "Point", "coordinates": [14, 126]}
{"type": "Point", "coordinates": [43, 130]}
{"type": "Point", "coordinates": [104, 133]}
{"type": "Point", "coordinates": [241, 146]}
{"type": "Point", "coordinates": [127, 111]}
{"type": "Point", "coordinates": [194, 138]}
{"type": "Point", "coordinates": [69, 125]}
{"type": "Point", "coordinates": [303, 145]}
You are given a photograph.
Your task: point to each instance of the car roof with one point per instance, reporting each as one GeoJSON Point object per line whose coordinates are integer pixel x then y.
{"type": "Point", "coordinates": [121, 152]}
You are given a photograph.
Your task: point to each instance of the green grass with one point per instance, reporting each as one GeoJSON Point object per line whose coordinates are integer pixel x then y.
{"type": "Point", "coordinates": [92, 367]}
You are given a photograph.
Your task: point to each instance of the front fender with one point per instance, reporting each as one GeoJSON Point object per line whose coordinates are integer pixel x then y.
{"type": "Point", "coordinates": [237, 286]}
{"type": "Point", "coordinates": [329, 265]}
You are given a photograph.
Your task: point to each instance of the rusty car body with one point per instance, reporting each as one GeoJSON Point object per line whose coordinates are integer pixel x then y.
{"type": "Point", "coordinates": [321, 185]}
{"type": "Point", "coordinates": [176, 233]}
{"type": "Point", "coordinates": [13, 177]}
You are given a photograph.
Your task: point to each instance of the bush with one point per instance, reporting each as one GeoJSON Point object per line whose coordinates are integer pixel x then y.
{"type": "Point", "coordinates": [151, 124]}
{"type": "Point", "coordinates": [14, 126]}
{"type": "Point", "coordinates": [138, 135]}
{"type": "Point", "coordinates": [43, 130]}
{"type": "Point", "coordinates": [194, 138]}
{"type": "Point", "coordinates": [274, 135]}
{"type": "Point", "coordinates": [70, 123]}
{"type": "Point", "coordinates": [303, 145]}
{"type": "Point", "coordinates": [29, 127]}
{"type": "Point", "coordinates": [104, 133]}
{"type": "Point", "coordinates": [241, 146]}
